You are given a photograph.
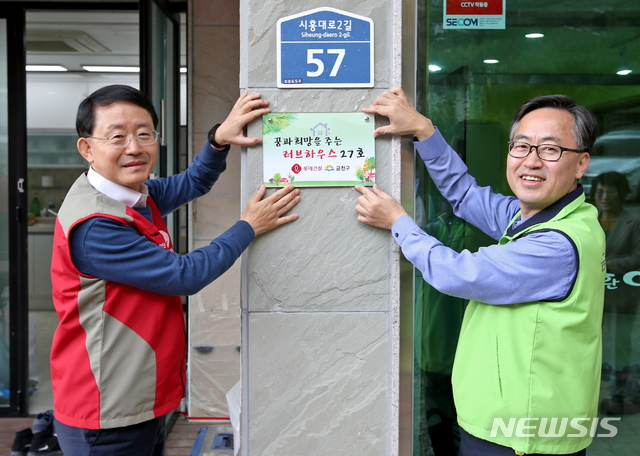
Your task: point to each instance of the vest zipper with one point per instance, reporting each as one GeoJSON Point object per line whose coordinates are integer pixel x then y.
{"type": "Point", "coordinates": [519, 453]}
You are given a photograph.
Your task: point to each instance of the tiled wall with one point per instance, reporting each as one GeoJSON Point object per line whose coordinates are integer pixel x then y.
{"type": "Point", "coordinates": [320, 321]}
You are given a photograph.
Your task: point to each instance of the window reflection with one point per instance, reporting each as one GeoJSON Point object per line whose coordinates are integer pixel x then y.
{"type": "Point", "coordinates": [438, 317]}
{"type": "Point", "coordinates": [472, 104]}
{"type": "Point", "coordinates": [621, 224]}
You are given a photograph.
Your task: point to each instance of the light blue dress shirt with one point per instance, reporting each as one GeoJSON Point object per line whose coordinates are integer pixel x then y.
{"type": "Point", "coordinates": [541, 266]}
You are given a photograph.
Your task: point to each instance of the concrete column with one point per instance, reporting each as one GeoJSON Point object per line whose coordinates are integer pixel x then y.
{"type": "Point", "coordinates": [320, 305]}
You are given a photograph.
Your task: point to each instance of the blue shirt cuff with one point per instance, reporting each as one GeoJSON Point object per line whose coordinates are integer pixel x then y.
{"type": "Point", "coordinates": [432, 147]}
{"type": "Point", "coordinates": [243, 232]}
{"type": "Point", "coordinates": [402, 228]}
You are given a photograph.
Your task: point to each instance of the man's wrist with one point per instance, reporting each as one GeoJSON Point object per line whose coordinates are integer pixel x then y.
{"type": "Point", "coordinates": [211, 137]}
{"type": "Point", "coordinates": [426, 131]}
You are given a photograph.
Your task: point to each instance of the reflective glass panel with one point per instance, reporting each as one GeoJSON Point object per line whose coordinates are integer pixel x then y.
{"type": "Point", "coordinates": [470, 83]}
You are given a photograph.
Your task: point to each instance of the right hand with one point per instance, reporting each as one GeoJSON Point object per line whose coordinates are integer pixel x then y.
{"type": "Point", "coordinates": [377, 208]}
{"type": "Point", "coordinates": [266, 214]}
{"type": "Point", "coordinates": [403, 117]}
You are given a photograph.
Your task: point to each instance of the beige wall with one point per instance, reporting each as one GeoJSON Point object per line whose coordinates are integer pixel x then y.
{"type": "Point", "coordinates": [214, 313]}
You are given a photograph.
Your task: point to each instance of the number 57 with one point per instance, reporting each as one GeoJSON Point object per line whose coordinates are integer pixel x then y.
{"type": "Point", "coordinates": [312, 60]}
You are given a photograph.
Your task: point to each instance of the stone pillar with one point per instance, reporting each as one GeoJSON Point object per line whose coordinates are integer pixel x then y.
{"type": "Point", "coordinates": [320, 304]}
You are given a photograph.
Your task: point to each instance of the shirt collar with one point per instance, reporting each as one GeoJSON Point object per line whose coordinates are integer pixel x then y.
{"type": "Point", "coordinates": [118, 192]}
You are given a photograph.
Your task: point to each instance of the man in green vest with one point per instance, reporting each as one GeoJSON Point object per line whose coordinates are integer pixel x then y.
{"type": "Point", "coordinates": [527, 367]}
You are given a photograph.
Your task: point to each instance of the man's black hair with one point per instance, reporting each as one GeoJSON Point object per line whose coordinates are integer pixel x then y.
{"type": "Point", "coordinates": [106, 96]}
{"type": "Point", "coordinates": [584, 124]}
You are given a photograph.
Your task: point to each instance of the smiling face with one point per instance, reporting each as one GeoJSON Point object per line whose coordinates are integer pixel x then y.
{"type": "Point", "coordinates": [607, 199]}
{"type": "Point", "coordinates": [538, 183]}
{"type": "Point", "coordinates": [131, 165]}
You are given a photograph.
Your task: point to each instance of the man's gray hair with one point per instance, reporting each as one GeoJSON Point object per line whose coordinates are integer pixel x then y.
{"type": "Point", "coordinates": [584, 125]}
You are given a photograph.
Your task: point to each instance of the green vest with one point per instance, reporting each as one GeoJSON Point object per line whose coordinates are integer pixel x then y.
{"type": "Point", "coordinates": [538, 360]}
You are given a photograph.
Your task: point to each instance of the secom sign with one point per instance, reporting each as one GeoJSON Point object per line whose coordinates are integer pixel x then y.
{"type": "Point", "coordinates": [461, 22]}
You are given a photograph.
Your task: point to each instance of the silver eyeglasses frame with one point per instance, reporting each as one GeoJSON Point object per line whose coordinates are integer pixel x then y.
{"type": "Point", "coordinates": [113, 139]}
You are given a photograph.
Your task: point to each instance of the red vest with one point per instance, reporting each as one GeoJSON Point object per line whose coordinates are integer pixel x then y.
{"type": "Point", "coordinates": [118, 353]}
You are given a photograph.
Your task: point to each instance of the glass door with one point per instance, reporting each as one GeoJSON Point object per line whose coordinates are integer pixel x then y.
{"type": "Point", "coordinates": [474, 80]}
{"type": "Point", "coordinates": [437, 316]}
{"type": "Point", "coordinates": [91, 47]}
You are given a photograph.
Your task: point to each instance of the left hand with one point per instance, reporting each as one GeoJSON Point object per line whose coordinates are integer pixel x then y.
{"type": "Point", "coordinates": [377, 208]}
{"type": "Point", "coordinates": [247, 108]}
{"type": "Point", "coordinates": [269, 213]}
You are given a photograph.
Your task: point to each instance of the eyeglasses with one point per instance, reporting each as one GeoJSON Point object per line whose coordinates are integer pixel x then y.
{"type": "Point", "coordinates": [547, 152]}
{"type": "Point", "coordinates": [144, 138]}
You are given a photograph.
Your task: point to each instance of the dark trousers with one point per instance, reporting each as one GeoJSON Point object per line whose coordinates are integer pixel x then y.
{"type": "Point", "coordinates": [473, 446]}
{"type": "Point", "coordinates": [143, 439]}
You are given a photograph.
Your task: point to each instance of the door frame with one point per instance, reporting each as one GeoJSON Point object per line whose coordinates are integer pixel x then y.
{"type": "Point", "coordinates": [15, 14]}
{"type": "Point", "coordinates": [17, 211]}
{"type": "Point", "coordinates": [168, 153]}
